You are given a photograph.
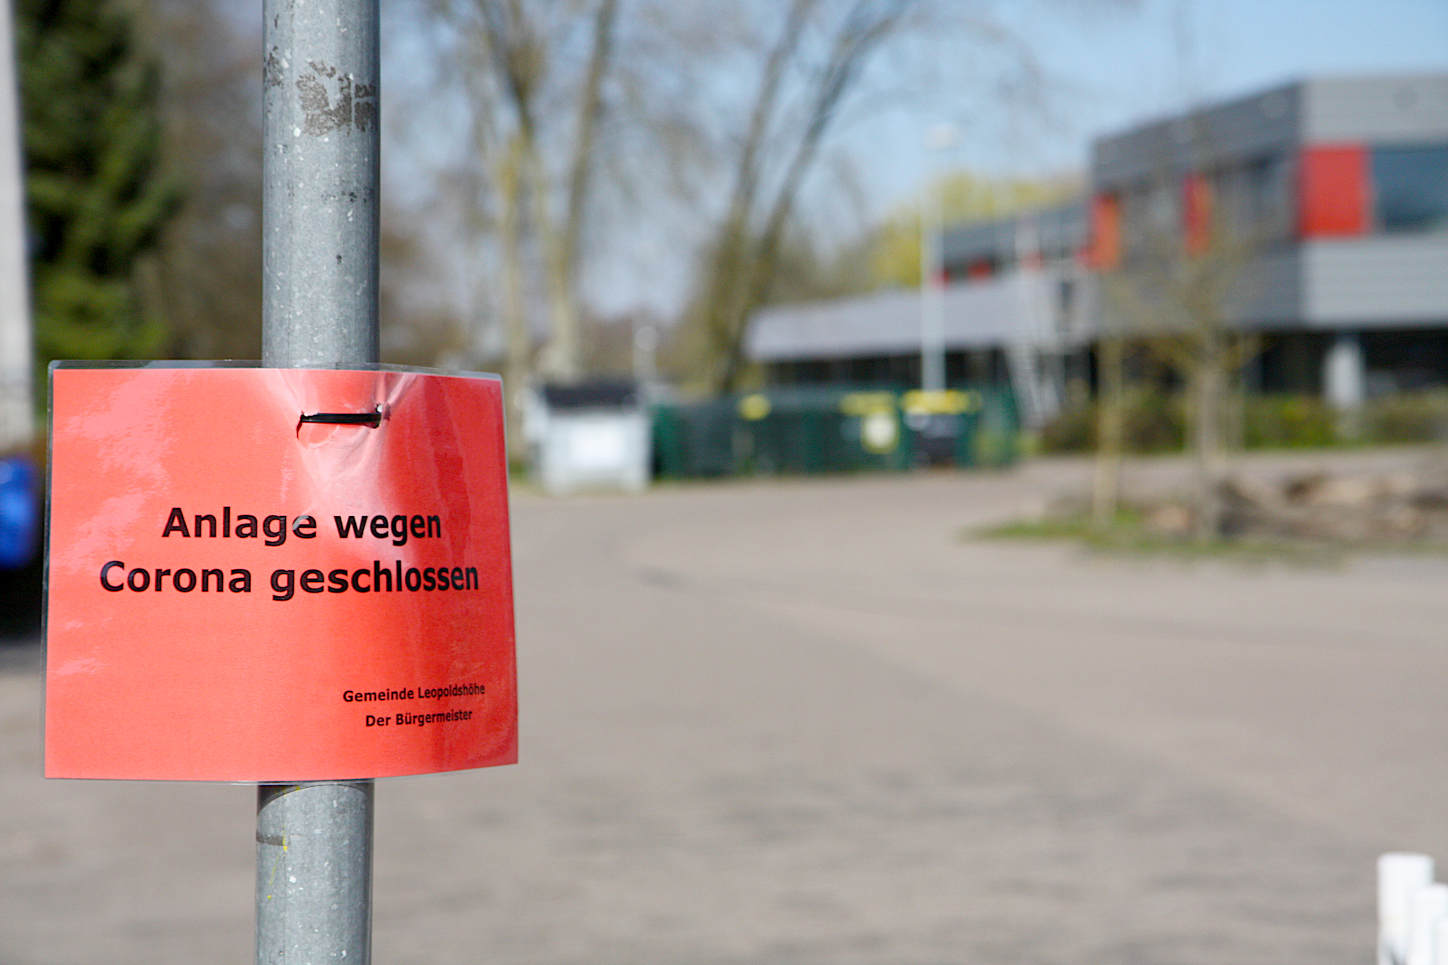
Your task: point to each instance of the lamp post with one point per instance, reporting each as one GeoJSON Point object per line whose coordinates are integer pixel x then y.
{"type": "Point", "coordinates": [941, 138]}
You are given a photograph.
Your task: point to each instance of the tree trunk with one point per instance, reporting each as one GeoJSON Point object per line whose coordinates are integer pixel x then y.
{"type": "Point", "coordinates": [730, 262]}
{"type": "Point", "coordinates": [516, 365]}
{"type": "Point", "coordinates": [1210, 398]}
{"type": "Point", "coordinates": [866, 26]}
{"type": "Point", "coordinates": [566, 349]}
{"type": "Point", "coordinates": [1110, 430]}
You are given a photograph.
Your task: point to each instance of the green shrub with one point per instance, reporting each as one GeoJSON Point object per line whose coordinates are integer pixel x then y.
{"type": "Point", "coordinates": [1073, 430]}
{"type": "Point", "coordinates": [1289, 421]}
{"type": "Point", "coordinates": [1411, 417]}
{"type": "Point", "coordinates": [1155, 422]}
{"type": "Point", "coordinates": [1152, 421]}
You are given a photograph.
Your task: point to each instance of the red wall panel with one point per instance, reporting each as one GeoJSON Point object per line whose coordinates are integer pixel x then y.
{"type": "Point", "coordinates": [1105, 252]}
{"type": "Point", "coordinates": [1332, 186]}
{"type": "Point", "coordinates": [1197, 212]}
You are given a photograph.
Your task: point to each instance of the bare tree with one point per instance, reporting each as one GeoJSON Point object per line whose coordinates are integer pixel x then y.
{"type": "Point", "coordinates": [519, 350]}
{"type": "Point", "coordinates": [1176, 296]}
{"type": "Point", "coordinates": [815, 66]}
{"type": "Point", "coordinates": [1110, 429]}
{"type": "Point", "coordinates": [742, 260]}
{"type": "Point", "coordinates": [565, 355]}
{"type": "Point", "coordinates": [516, 77]}
{"type": "Point", "coordinates": [593, 122]}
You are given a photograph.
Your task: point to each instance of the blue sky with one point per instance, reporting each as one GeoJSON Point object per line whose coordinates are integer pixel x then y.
{"type": "Point", "coordinates": [1236, 46]}
{"type": "Point", "coordinates": [1109, 64]}
{"type": "Point", "coordinates": [1113, 64]}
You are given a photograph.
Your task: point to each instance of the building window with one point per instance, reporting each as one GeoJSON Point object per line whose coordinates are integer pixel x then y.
{"type": "Point", "coordinates": [1266, 198]}
{"type": "Point", "coordinates": [1410, 188]}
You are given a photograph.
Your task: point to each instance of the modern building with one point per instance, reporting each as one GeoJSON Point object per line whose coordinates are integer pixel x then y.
{"type": "Point", "coordinates": [1333, 193]}
{"type": "Point", "coordinates": [1013, 307]}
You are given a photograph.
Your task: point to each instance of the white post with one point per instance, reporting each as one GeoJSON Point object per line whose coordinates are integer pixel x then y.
{"type": "Point", "coordinates": [1400, 875]}
{"type": "Point", "coordinates": [1344, 373]}
{"type": "Point", "coordinates": [17, 413]}
{"type": "Point", "coordinates": [1430, 906]}
{"type": "Point", "coordinates": [1440, 940]}
{"type": "Point", "coordinates": [645, 353]}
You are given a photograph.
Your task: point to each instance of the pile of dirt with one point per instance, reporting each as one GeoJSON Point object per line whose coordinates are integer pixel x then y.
{"type": "Point", "coordinates": [1404, 507]}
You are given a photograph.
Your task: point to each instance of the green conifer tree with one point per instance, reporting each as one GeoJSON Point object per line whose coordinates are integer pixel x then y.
{"type": "Point", "coordinates": [95, 197]}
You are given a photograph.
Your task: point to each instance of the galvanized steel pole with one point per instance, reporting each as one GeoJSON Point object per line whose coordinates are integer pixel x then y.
{"type": "Point", "coordinates": [321, 166]}
{"type": "Point", "coordinates": [319, 310]}
{"type": "Point", "coordinates": [17, 406]}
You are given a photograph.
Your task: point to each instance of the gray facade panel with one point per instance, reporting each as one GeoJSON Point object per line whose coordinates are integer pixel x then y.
{"type": "Point", "coordinates": [978, 314]}
{"type": "Point", "coordinates": [962, 245]}
{"type": "Point", "coordinates": [1406, 109]}
{"type": "Point", "coordinates": [1376, 282]}
{"type": "Point", "coordinates": [1054, 230]}
{"type": "Point", "coordinates": [1263, 293]}
{"type": "Point", "coordinates": [1267, 293]}
{"type": "Point", "coordinates": [1263, 124]}
{"type": "Point", "coordinates": [1376, 110]}
{"type": "Point", "coordinates": [869, 325]}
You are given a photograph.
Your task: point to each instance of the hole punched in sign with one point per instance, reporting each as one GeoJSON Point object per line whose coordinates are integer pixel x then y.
{"type": "Point", "coordinates": [371, 419]}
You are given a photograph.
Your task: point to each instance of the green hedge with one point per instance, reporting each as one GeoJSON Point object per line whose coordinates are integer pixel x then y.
{"type": "Point", "coordinates": [1289, 421]}
{"type": "Point", "coordinates": [1155, 422]}
{"type": "Point", "coordinates": [1411, 417]}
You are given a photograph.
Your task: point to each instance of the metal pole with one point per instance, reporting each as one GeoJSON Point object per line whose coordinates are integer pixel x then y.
{"type": "Point", "coordinates": [17, 406]}
{"type": "Point", "coordinates": [319, 310]}
{"type": "Point", "coordinates": [320, 172]}
{"type": "Point", "coordinates": [314, 873]}
{"type": "Point", "coordinates": [932, 321]}
{"type": "Point", "coordinates": [940, 138]}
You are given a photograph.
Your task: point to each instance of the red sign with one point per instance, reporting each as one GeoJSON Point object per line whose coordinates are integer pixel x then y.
{"type": "Point", "coordinates": [277, 575]}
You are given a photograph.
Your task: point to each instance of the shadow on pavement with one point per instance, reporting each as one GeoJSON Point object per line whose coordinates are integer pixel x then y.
{"type": "Point", "coordinates": [20, 605]}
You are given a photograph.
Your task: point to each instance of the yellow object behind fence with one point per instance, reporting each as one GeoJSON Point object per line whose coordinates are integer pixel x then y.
{"type": "Point", "coordinates": [941, 402]}
{"type": "Point", "coordinates": [754, 407]}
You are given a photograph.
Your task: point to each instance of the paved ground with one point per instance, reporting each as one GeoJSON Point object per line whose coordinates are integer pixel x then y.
{"type": "Point", "coordinates": [803, 722]}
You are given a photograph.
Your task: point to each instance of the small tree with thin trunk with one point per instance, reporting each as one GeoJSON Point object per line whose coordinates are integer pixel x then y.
{"type": "Point", "coordinates": [1110, 429]}
{"type": "Point", "coordinates": [1174, 296]}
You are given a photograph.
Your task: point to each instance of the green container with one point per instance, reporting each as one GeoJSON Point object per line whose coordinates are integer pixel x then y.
{"type": "Point", "coordinates": [996, 439]}
{"type": "Point", "coordinates": [833, 429]}
{"type": "Point", "coordinates": [820, 430]}
{"type": "Point", "coordinates": [693, 440]}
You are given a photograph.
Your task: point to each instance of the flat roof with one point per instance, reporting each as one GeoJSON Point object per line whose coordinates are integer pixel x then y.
{"type": "Point", "coordinates": [975, 314]}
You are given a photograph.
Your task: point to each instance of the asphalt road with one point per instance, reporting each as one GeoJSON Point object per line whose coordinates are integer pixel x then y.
{"type": "Point", "coordinates": [806, 722]}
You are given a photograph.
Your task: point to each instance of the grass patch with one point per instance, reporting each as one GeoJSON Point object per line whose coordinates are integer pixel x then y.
{"type": "Point", "coordinates": [1129, 535]}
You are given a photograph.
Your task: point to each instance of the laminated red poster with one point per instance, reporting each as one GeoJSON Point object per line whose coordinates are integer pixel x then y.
{"type": "Point", "coordinates": [277, 575]}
